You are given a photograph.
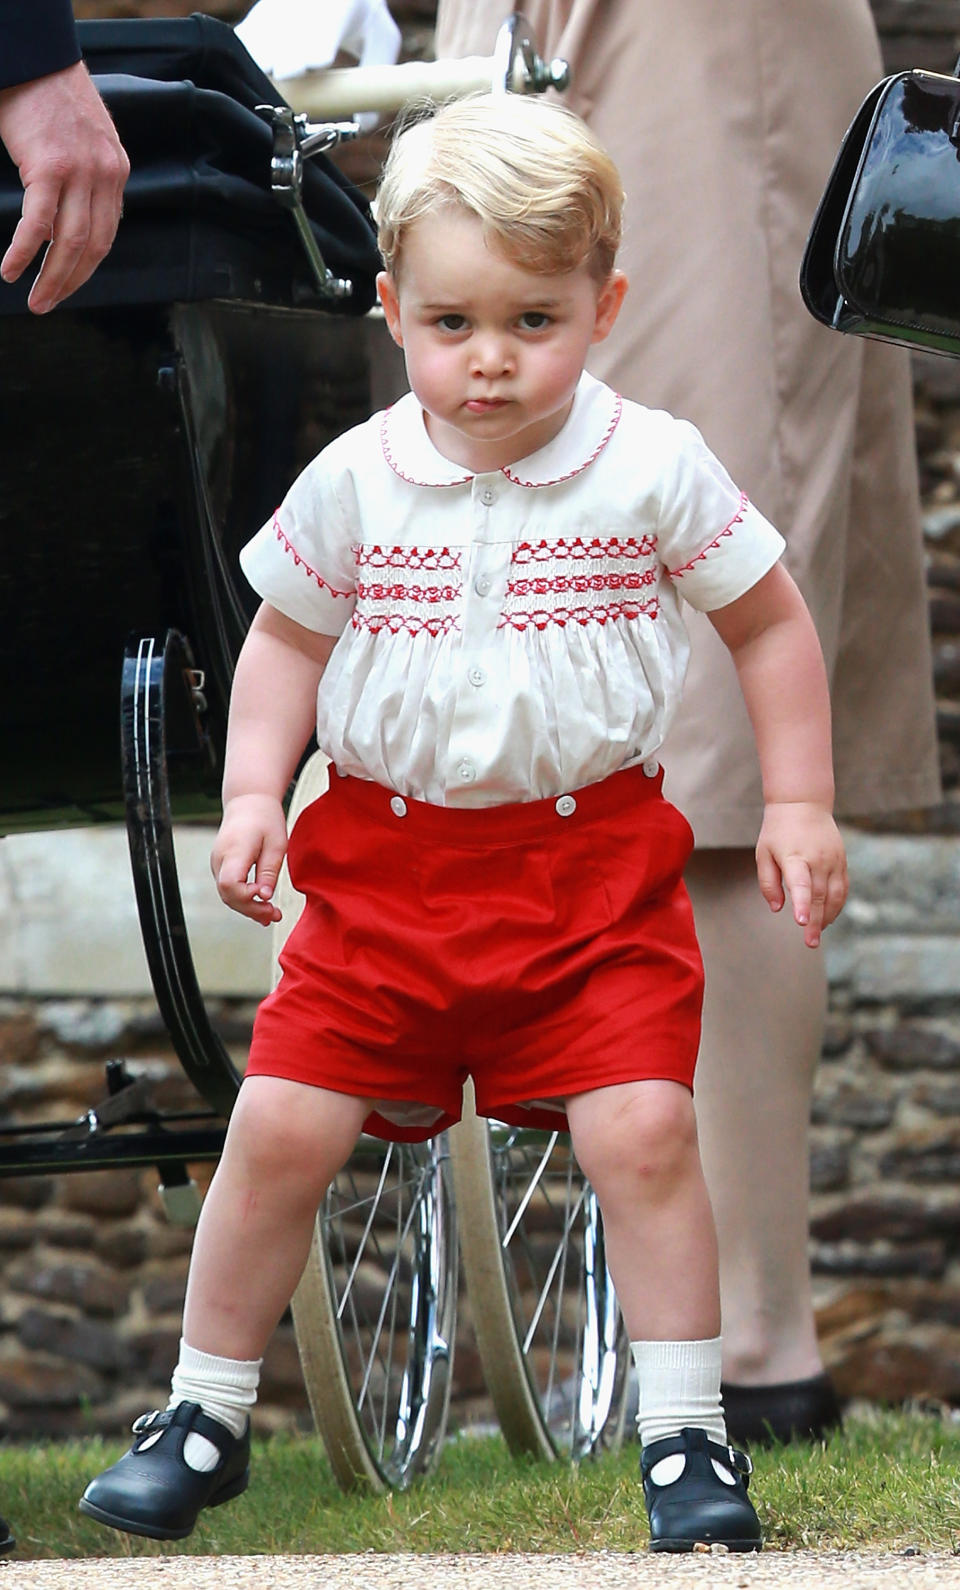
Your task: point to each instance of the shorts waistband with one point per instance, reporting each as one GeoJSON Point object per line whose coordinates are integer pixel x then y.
{"type": "Point", "coordinates": [516, 822]}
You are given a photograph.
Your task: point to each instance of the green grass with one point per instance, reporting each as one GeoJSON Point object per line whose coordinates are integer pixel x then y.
{"type": "Point", "coordinates": [889, 1481]}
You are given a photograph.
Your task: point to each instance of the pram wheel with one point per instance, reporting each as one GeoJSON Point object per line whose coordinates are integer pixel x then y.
{"type": "Point", "coordinates": [553, 1345]}
{"type": "Point", "coordinates": [375, 1311]}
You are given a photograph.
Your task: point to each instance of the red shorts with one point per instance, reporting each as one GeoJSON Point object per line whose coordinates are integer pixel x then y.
{"type": "Point", "coordinates": [544, 949]}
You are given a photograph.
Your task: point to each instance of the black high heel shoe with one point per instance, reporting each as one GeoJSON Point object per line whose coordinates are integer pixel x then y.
{"type": "Point", "coordinates": [153, 1490]}
{"type": "Point", "coordinates": [793, 1410]}
{"type": "Point", "coordinates": [698, 1507]}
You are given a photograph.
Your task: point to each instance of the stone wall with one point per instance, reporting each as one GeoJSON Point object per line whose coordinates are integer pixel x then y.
{"type": "Point", "coordinates": [93, 1274]}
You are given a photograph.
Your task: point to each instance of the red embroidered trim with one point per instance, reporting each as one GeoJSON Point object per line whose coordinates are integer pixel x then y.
{"type": "Point", "coordinates": [610, 581]}
{"type": "Point", "coordinates": [301, 563]}
{"type": "Point", "coordinates": [578, 549]}
{"type": "Point", "coordinates": [614, 422]}
{"type": "Point", "coordinates": [676, 574]}
{"type": "Point", "coordinates": [396, 622]}
{"type": "Point", "coordinates": [407, 593]}
{"type": "Point", "coordinates": [562, 616]}
{"type": "Point", "coordinates": [411, 479]}
{"type": "Point", "coordinates": [406, 557]}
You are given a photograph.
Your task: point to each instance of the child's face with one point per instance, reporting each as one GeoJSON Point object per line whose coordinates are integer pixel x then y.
{"type": "Point", "coordinates": [493, 351]}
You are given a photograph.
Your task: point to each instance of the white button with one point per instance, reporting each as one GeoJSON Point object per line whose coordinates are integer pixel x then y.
{"type": "Point", "coordinates": [467, 772]}
{"type": "Point", "coordinates": [488, 496]}
{"type": "Point", "coordinates": [566, 806]}
{"type": "Point", "coordinates": [651, 768]}
{"type": "Point", "coordinates": [482, 584]}
{"type": "Point", "coordinates": [477, 676]}
{"type": "Point", "coordinates": [398, 806]}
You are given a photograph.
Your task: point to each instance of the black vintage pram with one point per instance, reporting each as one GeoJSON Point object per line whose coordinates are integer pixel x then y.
{"type": "Point", "coordinates": [149, 425]}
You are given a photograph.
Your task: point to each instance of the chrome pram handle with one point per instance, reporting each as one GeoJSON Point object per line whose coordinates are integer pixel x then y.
{"type": "Point", "coordinates": [515, 67]}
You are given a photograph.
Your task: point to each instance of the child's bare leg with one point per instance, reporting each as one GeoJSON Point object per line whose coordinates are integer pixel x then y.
{"type": "Point", "coordinates": [285, 1143]}
{"type": "Point", "coordinates": [637, 1144]}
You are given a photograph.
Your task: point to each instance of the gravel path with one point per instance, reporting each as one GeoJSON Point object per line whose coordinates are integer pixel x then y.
{"type": "Point", "coordinates": [800, 1570]}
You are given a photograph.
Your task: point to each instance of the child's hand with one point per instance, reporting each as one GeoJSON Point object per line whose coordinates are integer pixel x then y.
{"type": "Point", "coordinates": [800, 849]}
{"type": "Point", "coordinates": [252, 838]}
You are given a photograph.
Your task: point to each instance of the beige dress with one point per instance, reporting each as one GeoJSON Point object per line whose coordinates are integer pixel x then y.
{"type": "Point", "coordinates": [725, 121]}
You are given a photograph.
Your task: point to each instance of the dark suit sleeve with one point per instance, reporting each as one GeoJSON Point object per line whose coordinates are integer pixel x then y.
{"type": "Point", "coordinates": [36, 37]}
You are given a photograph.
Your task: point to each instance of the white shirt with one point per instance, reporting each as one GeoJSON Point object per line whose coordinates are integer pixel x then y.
{"type": "Point", "coordinates": [512, 635]}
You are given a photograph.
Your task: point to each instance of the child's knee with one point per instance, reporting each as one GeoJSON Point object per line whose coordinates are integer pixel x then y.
{"type": "Point", "coordinates": [648, 1139]}
{"type": "Point", "coordinates": [280, 1138]}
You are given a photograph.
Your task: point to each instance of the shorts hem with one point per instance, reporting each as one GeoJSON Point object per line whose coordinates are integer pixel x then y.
{"type": "Point", "coordinates": [375, 1124]}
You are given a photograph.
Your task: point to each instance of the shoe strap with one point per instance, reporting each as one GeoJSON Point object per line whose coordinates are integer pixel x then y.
{"type": "Point", "coordinates": [190, 1416]}
{"type": "Point", "coordinates": [692, 1440]}
{"type": "Point", "coordinates": [150, 1423]}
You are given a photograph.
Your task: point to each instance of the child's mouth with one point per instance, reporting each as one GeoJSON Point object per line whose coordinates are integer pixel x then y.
{"type": "Point", "coordinates": [485, 405]}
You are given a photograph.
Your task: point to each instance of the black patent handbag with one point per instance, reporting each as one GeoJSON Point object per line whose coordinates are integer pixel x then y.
{"type": "Point", "coordinates": [883, 256]}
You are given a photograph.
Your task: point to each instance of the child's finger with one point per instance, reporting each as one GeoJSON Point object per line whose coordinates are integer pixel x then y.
{"type": "Point", "coordinates": [769, 879]}
{"type": "Point", "coordinates": [836, 896]}
{"type": "Point", "coordinates": [799, 884]}
{"type": "Point", "coordinates": [268, 868]}
{"type": "Point", "coordinates": [244, 897]}
{"type": "Point", "coordinates": [231, 869]}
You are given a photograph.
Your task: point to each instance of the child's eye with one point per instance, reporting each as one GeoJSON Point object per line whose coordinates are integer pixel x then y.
{"type": "Point", "coordinates": [452, 322]}
{"type": "Point", "coordinates": [534, 320]}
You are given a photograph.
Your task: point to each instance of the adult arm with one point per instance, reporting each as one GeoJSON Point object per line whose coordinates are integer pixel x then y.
{"type": "Point", "coordinates": [59, 134]}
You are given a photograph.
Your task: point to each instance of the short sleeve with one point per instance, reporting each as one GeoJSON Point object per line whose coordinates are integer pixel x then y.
{"type": "Point", "coordinates": [302, 560]}
{"type": "Point", "coordinates": [714, 543]}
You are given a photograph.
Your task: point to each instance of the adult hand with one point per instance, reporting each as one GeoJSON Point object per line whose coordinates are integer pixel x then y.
{"type": "Point", "coordinates": [59, 134]}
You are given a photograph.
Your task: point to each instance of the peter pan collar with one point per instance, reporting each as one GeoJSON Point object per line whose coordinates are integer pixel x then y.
{"type": "Point", "coordinates": [590, 424]}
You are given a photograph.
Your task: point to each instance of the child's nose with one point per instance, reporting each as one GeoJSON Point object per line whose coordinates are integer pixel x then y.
{"type": "Point", "coordinates": [491, 355]}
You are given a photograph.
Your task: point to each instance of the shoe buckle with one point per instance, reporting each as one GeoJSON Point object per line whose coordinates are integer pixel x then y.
{"type": "Point", "coordinates": [740, 1462]}
{"type": "Point", "coordinates": [145, 1422]}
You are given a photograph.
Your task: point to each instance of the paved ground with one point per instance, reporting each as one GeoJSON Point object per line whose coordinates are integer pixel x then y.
{"type": "Point", "coordinates": [800, 1570]}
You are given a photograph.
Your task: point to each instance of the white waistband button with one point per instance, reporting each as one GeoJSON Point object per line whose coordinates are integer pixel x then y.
{"type": "Point", "coordinates": [651, 768]}
{"type": "Point", "coordinates": [398, 806]}
{"type": "Point", "coordinates": [566, 806]}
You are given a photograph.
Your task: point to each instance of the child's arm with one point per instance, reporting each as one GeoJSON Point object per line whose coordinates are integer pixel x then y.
{"type": "Point", "coordinates": [774, 645]}
{"type": "Point", "coordinates": [273, 709]}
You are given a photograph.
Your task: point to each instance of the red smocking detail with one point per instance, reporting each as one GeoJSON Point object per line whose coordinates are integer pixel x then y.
{"type": "Point", "coordinates": [395, 623]}
{"type": "Point", "coordinates": [411, 479]}
{"type": "Point", "coordinates": [300, 562]}
{"type": "Point", "coordinates": [614, 422]}
{"type": "Point", "coordinates": [676, 574]}
{"type": "Point", "coordinates": [582, 583]}
{"type": "Point", "coordinates": [579, 550]}
{"type": "Point", "coordinates": [606, 613]}
{"type": "Point", "coordinates": [375, 557]}
{"type": "Point", "coordinates": [370, 592]}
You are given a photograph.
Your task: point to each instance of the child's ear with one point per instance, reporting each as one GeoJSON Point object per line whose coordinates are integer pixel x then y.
{"type": "Point", "coordinates": [390, 302]}
{"type": "Point", "coordinates": [609, 300]}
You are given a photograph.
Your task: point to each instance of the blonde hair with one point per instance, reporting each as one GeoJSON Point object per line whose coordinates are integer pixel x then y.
{"type": "Point", "coordinates": [548, 195]}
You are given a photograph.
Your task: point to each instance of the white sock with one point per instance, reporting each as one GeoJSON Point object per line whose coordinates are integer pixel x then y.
{"type": "Point", "coordinates": [679, 1389]}
{"type": "Point", "coordinates": [226, 1388]}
